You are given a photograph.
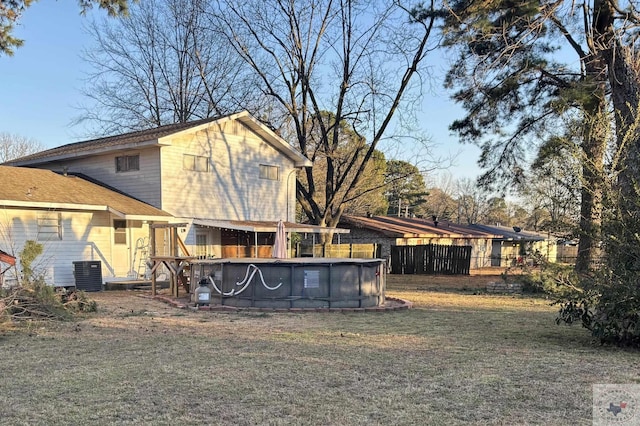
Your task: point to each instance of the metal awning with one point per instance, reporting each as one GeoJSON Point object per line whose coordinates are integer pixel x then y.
{"type": "Point", "coordinates": [266, 226]}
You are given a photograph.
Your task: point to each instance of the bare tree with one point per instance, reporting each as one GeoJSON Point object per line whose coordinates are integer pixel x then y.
{"type": "Point", "coordinates": [553, 192]}
{"type": "Point", "coordinates": [368, 197]}
{"type": "Point", "coordinates": [16, 146]}
{"type": "Point", "coordinates": [441, 204]}
{"type": "Point", "coordinates": [472, 202]}
{"type": "Point", "coordinates": [440, 201]}
{"type": "Point", "coordinates": [359, 60]}
{"type": "Point", "coordinates": [162, 64]}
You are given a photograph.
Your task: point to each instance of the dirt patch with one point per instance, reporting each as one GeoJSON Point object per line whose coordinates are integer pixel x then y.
{"type": "Point", "coordinates": [129, 302]}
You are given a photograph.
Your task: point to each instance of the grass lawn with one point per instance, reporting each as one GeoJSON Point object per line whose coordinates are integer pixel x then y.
{"type": "Point", "coordinates": [456, 358]}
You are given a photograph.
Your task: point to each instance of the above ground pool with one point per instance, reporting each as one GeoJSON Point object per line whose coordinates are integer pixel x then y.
{"type": "Point", "coordinates": [293, 283]}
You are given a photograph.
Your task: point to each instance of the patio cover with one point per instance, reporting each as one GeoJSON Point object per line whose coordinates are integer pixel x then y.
{"type": "Point", "coordinates": [266, 226]}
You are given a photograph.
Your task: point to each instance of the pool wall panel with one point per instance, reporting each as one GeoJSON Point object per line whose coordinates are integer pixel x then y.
{"type": "Point", "coordinates": [307, 284]}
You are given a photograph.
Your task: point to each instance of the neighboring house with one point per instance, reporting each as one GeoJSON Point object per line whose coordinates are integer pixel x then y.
{"type": "Point", "coordinates": [74, 220]}
{"type": "Point", "coordinates": [388, 231]}
{"type": "Point", "coordinates": [516, 245]}
{"type": "Point", "coordinates": [490, 246]}
{"type": "Point", "coordinates": [228, 179]}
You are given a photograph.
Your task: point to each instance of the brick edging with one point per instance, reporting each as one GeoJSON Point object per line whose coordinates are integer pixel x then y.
{"type": "Point", "coordinates": [401, 305]}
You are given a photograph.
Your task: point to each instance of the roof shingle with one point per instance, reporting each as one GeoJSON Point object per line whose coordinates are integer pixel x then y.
{"type": "Point", "coordinates": [401, 227]}
{"type": "Point", "coordinates": [29, 185]}
{"type": "Point", "coordinates": [130, 138]}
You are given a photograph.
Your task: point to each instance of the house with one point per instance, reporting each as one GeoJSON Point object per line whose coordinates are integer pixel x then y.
{"type": "Point", "coordinates": [74, 220]}
{"type": "Point", "coordinates": [515, 245]}
{"type": "Point", "coordinates": [490, 246]}
{"type": "Point", "coordinates": [388, 231]}
{"type": "Point", "coordinates": [228, 179]}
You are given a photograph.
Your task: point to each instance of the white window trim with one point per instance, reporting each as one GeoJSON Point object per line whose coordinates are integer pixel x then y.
{"type": "Point", "coordinates": [266, 170]}
{"type": "Point", "coordinates": [127, 167]}
{"type": "Point", "coordinates": [197, 161]}
{"type": "Point", "coordinates": [49, 226]}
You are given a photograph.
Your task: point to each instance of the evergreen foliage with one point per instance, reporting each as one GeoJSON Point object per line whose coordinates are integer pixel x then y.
{"type": "Point", "coordinates": [11, 11]}
{"type": "Point", "coordinates": [406, 191]}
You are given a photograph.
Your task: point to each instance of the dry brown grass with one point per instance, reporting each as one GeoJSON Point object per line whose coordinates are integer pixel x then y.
{"type": "Point", "coordinates": [456, 358]}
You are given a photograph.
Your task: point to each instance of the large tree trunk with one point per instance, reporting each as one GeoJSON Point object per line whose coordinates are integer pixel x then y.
{"type": "Point", "coordinates": [590, 215]}
{"type": "Point", "coordinates": [623, 252]}
{"type": "Point", "coordinates": [594, 145]}
{"type": "Point", "coordinates": [624, 76]}
{"type": "Point", "coordinates": [595, 135]}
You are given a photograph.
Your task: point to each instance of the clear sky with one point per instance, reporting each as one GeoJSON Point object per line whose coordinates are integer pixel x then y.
{"type": "Point", "coordinates": [41, 86]}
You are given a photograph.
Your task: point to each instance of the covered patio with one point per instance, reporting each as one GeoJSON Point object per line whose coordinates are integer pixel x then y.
{"type": "Point", "coordinates": [235, 239]}
{"type": "Point", "coordinates": [242, 238]}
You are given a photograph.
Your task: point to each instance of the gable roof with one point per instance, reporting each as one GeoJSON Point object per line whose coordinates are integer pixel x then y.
{"type": "Point", "coordinates": [44, 189]}
{"type": "Point", "coordinates": [403, 227]}
{"type": "Point", "coordinates": [157, 137]}
{"type": "Point", "coordinates": [265, 226]}
{"type": "Point", "coordinates": [510, 233]}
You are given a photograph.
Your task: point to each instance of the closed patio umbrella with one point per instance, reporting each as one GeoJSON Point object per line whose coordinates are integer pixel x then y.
{"type": "Point", "coordinates": [280, 242]}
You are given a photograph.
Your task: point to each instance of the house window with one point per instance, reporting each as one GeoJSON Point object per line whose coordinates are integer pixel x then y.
{"type": "Point", "coordinates": [50, 227]}
{"type": "Point", "coordinates": [269, 172]}
{"type": "Point", "coordinates": [195, 163]}
{"type": "Point", "coordinates": [127, 163]}
{"type": "Point", "coordinates": [119, 231]}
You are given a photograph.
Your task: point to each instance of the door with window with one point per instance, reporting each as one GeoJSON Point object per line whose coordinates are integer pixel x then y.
{"type": "Point", "coordinates": [202, 244]}
{"type": "Point", "coordinates": [121, 255]}
{"type": "Point", "coordinates": [496, 253]}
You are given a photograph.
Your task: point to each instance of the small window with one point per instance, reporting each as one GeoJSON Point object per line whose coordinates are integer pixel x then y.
{"type": "Point", "coordinates": [50, 227]}
{"type": "Point", "coordinates": [269, 172]}
{"type": "Point", "coordinates": [127, 163]}
{"type": "Point", "coordinates": [195, 162]}
{"type": "Point", "coordinates": [120, 231]}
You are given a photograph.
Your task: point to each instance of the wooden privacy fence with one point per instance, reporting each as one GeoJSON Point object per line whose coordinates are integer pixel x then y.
{"type": "Point", "coordinates": [430, 259]}
{"type": "Point", "coordinates": [362, 251]}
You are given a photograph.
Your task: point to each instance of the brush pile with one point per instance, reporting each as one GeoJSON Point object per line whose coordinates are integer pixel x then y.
{"type": "Point", "coordinates": [41, 303]}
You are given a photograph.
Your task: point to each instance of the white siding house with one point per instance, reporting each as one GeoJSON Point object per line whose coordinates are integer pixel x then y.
{"type": "Point", "coordinates": [227, 171]}
{"type": "Point", "coordinates": [74, 220]}
{"type": "Point", "coordinates": [232, 169]}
